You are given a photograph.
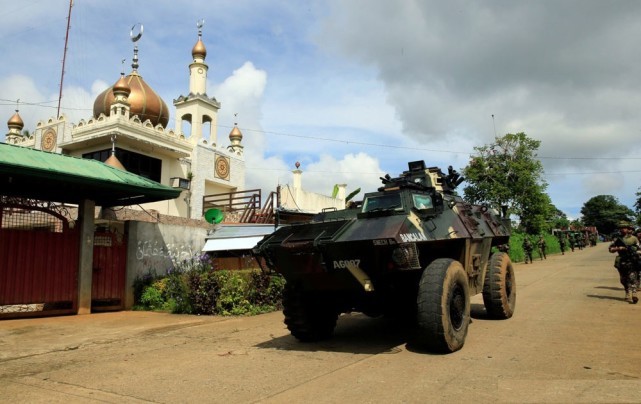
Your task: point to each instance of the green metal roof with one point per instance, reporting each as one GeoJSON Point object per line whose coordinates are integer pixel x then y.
{"type": "Point", "coordinates": [36, 174]}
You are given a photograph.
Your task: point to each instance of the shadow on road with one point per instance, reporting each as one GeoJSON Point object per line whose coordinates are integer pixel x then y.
{"type": "Point", "coordinates": [618, 298]}
{"type": "Point", "coordinates": [354, 333]}
{"type": "Point", "coordinates": [606, 297]}
{"type": "Point", "coordinates": [609, 288]}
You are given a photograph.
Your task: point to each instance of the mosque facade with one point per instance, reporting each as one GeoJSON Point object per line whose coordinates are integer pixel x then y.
{"type": "Point", "coordinates": [129, 129]}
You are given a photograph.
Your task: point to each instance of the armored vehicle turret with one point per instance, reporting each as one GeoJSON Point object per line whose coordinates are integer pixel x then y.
{"type": "Point", "coordinates": [412, 249]}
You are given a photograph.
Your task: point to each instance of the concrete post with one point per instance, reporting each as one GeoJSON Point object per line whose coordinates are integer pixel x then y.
{"type": "Point", "coordinates": [297, 185]}
{"type": "Point", "coordinates": [131, 230]}
{"type": "Point", "coordinates": [86, 211]}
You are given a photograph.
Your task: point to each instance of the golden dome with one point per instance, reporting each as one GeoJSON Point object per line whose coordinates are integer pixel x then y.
{"type": "Point", "coordinates": [121, 86]}
{"type": "Point", "coordinates": [143, 101]}
{"type": "Point", "coordinates": [15, 122]}
{"type": "Point", "coordinates": [235, 134]}
{"type": "Point", "coordinates": [199, 50]}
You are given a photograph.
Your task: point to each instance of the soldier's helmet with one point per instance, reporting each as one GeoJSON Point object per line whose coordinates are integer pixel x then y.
{"type": "Point", "coordinates": [624, 224]}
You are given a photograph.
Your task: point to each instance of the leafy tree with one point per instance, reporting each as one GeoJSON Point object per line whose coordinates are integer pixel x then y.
{"type": "Point", "coordinates": [604, 212]}
{"type": "Point", "coordinates": [352, 194]}
{"type": "Point", "coordinates": [577, 223]}
{"type": "Point", "coordinates": [536, 212]}
{"type": "Point", "coordinates": [507, 176]}
{"type": "Point", "coordinates": [348, 197]}
{"type": "Point", "coordinates": [637, 206]}
{"type": "Point", "coordinates": [558, 219]}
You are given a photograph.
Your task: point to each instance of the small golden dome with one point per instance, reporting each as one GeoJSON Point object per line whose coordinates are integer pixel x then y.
{"type": "Point", "coordinates": [235, 134]}
{"type": "Point", "coordinates": [121, 86]}
{"type": "Point", "coordinates": [199, 50]}
{"type": "Point", "coordinates": [15, 122]}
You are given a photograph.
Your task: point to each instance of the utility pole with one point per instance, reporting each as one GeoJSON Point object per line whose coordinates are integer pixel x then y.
{"type": "Point", "coordinates": [64, 57]}
{"type": "Point", "coordinates": [494, 124]}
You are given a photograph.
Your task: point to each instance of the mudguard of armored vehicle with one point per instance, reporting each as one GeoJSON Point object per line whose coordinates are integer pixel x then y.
{"type": "Point", "coordinates": [413, 249]}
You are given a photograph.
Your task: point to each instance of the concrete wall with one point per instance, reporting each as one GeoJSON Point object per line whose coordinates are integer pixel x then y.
{"type": "Point", "coordinates": [155, 247]}
{"type": "Point", "coordinates": [298, 199]}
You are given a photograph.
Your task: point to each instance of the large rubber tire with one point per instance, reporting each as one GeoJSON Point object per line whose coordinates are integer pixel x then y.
{"type": "Point", "coordinates": [499, 289]}
{"type": "Point", "coordinates": [307, 317]}
{"type": "Point", "coordinates": [443, 306]}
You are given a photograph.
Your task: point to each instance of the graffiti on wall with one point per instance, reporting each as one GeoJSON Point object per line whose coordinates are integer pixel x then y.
{"type": "Point", "coordinates": [173, 252]}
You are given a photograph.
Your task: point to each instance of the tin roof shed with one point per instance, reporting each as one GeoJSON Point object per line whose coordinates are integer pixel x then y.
{"type": "Point", "coordinates": [36, 174]}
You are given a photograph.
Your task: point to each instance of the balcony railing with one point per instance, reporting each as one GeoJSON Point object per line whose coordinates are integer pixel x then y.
{"type": "Point", "coordinates": [242, 206]}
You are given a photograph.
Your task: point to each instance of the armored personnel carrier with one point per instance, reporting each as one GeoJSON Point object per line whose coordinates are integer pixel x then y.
{"type": "Point", "coordinates": [413, 249]}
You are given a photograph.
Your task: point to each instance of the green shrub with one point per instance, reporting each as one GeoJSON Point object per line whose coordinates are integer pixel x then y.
{"type": "Point", "coordinates": [141, 283]}
{"type": "Point", "coordinates": [155, 297]}
{"type": "Point", "coordinates": [516, 246]}
{"type": "Point", "coordinates": [152, 298]}
{"type": "Point", "coordinates": [192, 286]}
{"type": "Point", "coordinates": [266, 291]}
{"type": "Point", "coordinates": [233, 294]}
{"type": "Point", "coordinates": [178, 292]}
{"type": "Point", "coordinates": [203, 291]}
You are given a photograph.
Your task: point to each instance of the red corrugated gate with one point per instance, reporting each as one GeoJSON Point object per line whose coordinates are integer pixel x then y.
{"type": "Point", "coordinates": [39, 253]}
{"type": "Point", "coordinates": [109, 271]}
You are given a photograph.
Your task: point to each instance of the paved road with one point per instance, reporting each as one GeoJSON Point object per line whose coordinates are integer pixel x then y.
{"type": "Point", "coordinates": [572, 339]}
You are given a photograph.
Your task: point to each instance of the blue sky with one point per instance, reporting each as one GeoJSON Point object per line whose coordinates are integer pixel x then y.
{"type": "Point", "coordinates": [356, 89]}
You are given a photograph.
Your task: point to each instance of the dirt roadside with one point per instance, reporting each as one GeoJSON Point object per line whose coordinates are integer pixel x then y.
{"type": "Point", "coordinates": [572, 339]}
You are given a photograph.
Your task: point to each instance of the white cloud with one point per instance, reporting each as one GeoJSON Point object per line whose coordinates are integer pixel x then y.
{"type": "Point", "coordinates": [355, 170]}
{"type": "Point", "coordinates": [242, 94]}
{"type": "Point", "coordinates": [560, 72]}
{"type": "Point", "coordinates": [33, 104]}
{"type": "Point", "coordinates": [348, 88]}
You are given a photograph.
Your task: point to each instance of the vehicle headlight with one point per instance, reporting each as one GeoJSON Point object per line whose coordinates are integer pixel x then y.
{"type": "Point", "coordinates": [405, 256]}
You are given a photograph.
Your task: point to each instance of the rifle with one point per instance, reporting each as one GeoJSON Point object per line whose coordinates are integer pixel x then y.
{"type": "Point", "coordinates": [631, 252]}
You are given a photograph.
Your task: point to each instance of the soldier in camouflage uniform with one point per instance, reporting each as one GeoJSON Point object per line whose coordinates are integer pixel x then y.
{"type": "Point", "coordinates": [542, 247]}
{"type": "Point", "coordinates": [627, 262]}
{"type": "Point", "coordinates": [562, 241]}
{"type": "Point", "coordinates": [527, 249]}
{"type": "Point", "coordinates": [572, 241]}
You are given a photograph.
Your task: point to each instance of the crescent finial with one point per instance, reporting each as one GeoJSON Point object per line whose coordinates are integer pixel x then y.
{"type": "Point", "coordinates": [136, 32]}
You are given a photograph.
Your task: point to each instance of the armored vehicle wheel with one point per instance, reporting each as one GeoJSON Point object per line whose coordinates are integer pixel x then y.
{"type": "Point", "coordinates": [499, 289]}
{"type": "Point", "coordinates": [308, 318]}
{"type": "Point", "coordinates": [443, 305]}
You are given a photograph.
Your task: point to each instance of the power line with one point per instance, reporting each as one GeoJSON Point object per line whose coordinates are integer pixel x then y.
{"type": "Point", "coordinates": [42, 105]}
{"type": "Point", "coordinates": [545, 174]}
{"type": "Point", "coordinates": [593, 172]}
{"type": "Point", "coordinates": [324, 139]}
{"type": "Point", "coordinates": [416, 148]}
{"type": "Point", "coordinates": [317, 171]}
{"type": "Point", "coordinates": [37, 104]}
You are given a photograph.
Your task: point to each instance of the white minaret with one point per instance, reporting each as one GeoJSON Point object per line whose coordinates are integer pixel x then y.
{"type": "Point", "coordinates": [196, 108]}
{"type": "Point", "coordinates": [198, 68]}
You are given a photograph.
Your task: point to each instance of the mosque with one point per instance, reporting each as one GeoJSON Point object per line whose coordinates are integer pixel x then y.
{"type": "Point", "coordinates": [129, 130]}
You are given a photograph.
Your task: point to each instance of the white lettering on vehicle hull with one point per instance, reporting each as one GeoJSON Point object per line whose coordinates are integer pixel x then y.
{"type": "Point", "coordinates": [412, 237]}
{"type": "Point", "coordinates": [342, 264]}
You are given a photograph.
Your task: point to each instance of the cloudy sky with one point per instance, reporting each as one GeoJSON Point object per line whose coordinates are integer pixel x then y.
{"type": "Point", "coordinates": [356, 89]}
